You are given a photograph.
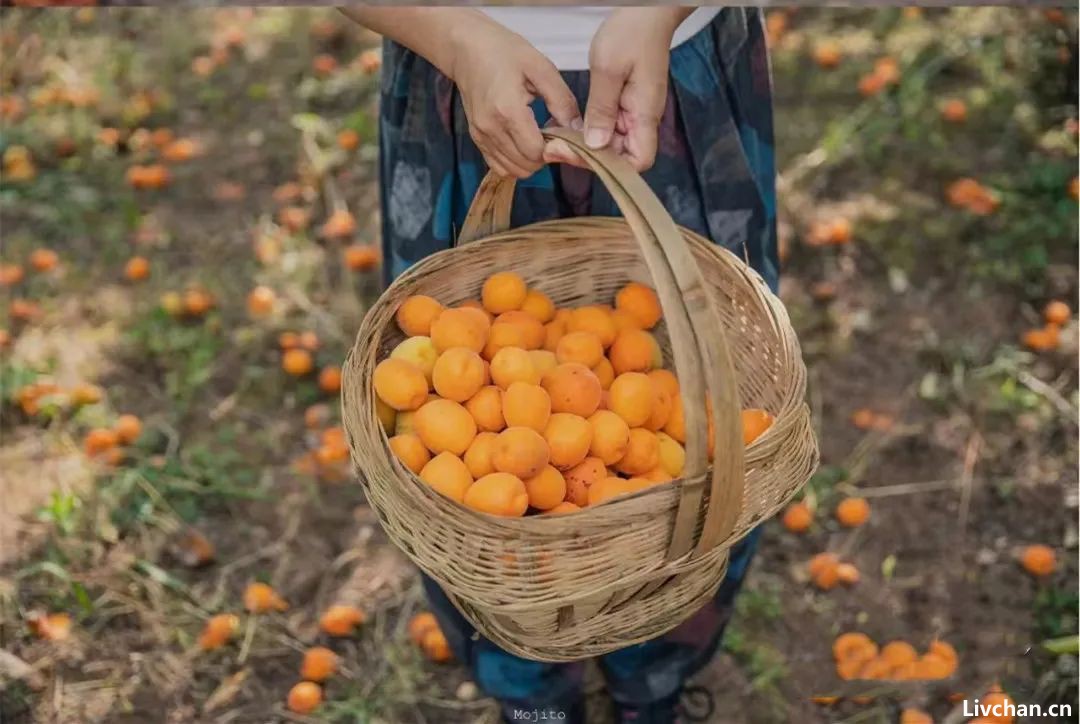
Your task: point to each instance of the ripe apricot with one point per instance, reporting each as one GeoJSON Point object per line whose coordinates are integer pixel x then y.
{"type": "Point", "coordinates": [827, 54]}
{"type": "Point", "coordinates": [320, 663]}
{"type": "Point", "coordinates": [931, 667]}
{"type": "Point", "coordinates": [445, 426]}
{"type": "Point", "coordinates": [262, 598]}
{"type": "Point", "coordinates": [43, 260]}
{"type": "Point", "coordinates": [573, 388]}
{"type": "Point", "coordinates": [666, 380]}
{"type": "Point", "coordinates": [531, 329]}
{"type": "Point", "coordinates": [304, 697]}
{"type": "Point", "coordinates": [642, 453]}
{"type": "Point", "coordinates": [448, 475]}
{"type": "Point", "coordinates": [218, 630]}
{"type": "Point", "coordinates": [898, 653]}
{"type": "Point", "coordinates": [512, 364]}
{"type": "Point", "coordinates": [672, 454]}
{"type": "Point", "coordinates": [503, 292]}
{"type": "Point", "coordinates": [520, 451]}
{"type": "Point", "coordinates": [420, 351]}
{"type": "Point", "coordinates": [580, 477]}
{"type": "Point", "coordinates": [297, 362]}
{"type": "Point", "coordinates": [539, 306]}
{"type": "Point", "coordinates": [339, 225]}
{"type": "Point", "coordinates": [416, 314]}
{"type": "Point", "coordinates": [823, 570]}
{"type": "Point", "coordinates": [498, 494]}
{"type": "Point", "coordinates": [553, 332]}
{"type": "Point", "coordinates": [640, 302]}
{"type": "Point", "coordinates": [486, 408]}
{"type": "Point", "coordinates": [458, 328]}
{"type": "Point", "coordinates": [10, 274]}
{"type": "Point", "coordinates": [546, 489]}
{"type": "Point", "coordinates": [458, 374]}
{"type": "Point", "coordinates": [330, 379]}
{"type": "Point", "coordinates": [543, 361]}
{"type": "Point", "coordinates": [398, 383]}
{"type": "Point", "coordinates": [435, 646]}
{"type": "Point", "coordinates": [1038, 560]}
{"type": "Point", "coordinates": [563, 508]}
{"type": "Point", "coordinates": [797, 518]}
{"type": "Point", "coordinates": [631, 397]}
{"type": "Point", "coordinates": [1057, 312]}
{"type": "Point", "coordinates": [595, 319]}
{"type": "Point", "coordinates": [85, 393]}
{"type": "Point", "coordinates": [420, 624]}
{"type": "Point", "coordinates": [568, 437]}
{"type": "Point", "coordinates": [197, 302]}
{"type": "Point", "coordinates": [604, 372]}
{"type": "Point", "coordinates": [483, 316]}
{"type": "Point", "coordinates": [360, 257]}
{"type": "Point", "coordinates": [915, 716]}
{"type": "Point", "coordinates": [854, 645]}
{"type": "Point", "coordinates": [503, 335]}
{"type": "Point", "coordinates": [661, 410]}
{"type": "Point", "coordinates": [580, 347]}
{"type": "Point", "coordinates": [754, 422]}
{"type": "Point", "coordinates": [478, 457]}
{"type": "Point", "coordinates": [634, 350]}
{"type": "Point", "coordinates": [609, 488]}
{"type": "Point", "coordinates": [853, 512]}
{"type": "Point", "coordinates": [610, 436]}
{"type": "Point", "coordinates": [526, 405]}
{"type": "Point", "coordinates": [136, 269]}
{"type": "Point", "coordinates": [410, 450]}
{"type": "Point", "coordinates": [954, 110]}
{"type": "Point", "coordinates": [128, 429]}
{"type": "Point", "coordinates": [100, 440]}
{"type": "Point", "coordinates": [624, 320]}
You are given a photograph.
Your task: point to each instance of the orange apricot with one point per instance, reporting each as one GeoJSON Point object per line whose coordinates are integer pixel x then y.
{"type": "Point", "coordinates": [503, 292]}
{"type": "Point", "coordinates": [420, 624]}
{"type": "Point", "coordinates": [486, 408]}
{"type": "Point", "coordinates": [526, 405]}
{"type": "Point", "coordinates": [624, 320]}
{"type": "Point", "coordinates": [10, 274]}
{"type": "Point", "coordinates": [304, 697]}
{"type": "Point", "coordinates": [298, 362]}
{"type": "Point", "coordinates": [553, 332]}
{"type": "Point", "coordinates": [503, 335]}
{"type": "Point", "coordinates": [580, 347]}
{"type": "Point", "coordinates": [532, 330]}
{"type": "Point", "coordinates": [640, 302]}
{"type": "Point", "coordinates": [128, 428]}
{"type": "Point", "coordinates": [853, 512]}
{"type": "Point", "coordinates": [458, 328]}
{"type": "Point", "coordinates": [197, 302]}
{"type": "Point", "coordinates": [218, 630]}
{"type": "Point", "coordinates": [563, 508]}
{"type": "Point", "coordinates": [136, 269]}
{"type": "Point", "coordinates": [755, 421]}
{"type": "Point", "coordinates": [608, 488]}
{"type": "Point", "coordinates": [398, 383]}
{"type": "Point", "coordinates": [915, 716]}
{"type": "Point", "coordinates": [512, 364]}
{"type": "Point", "coordinates": [642, 453]}
{"type": "Point", "coordinates": [435, 646]}
{"type": "Point", "coordinates": [520, 451]}
{"type": "Point", "coordinates": [633, 351]}
{"type": "Point", "coordinates": [539, 306]}
{"type": "Point", "coordinates": [498, 494]}
{"type": "Point", "coordinates": [419, 351]}
{"type": "Point", "coordinates": [43, 260]}
{"type": "Point", "coordinates": [573, 388]}
{"type": "Point", "coordinates": [330, 379]}
{"type": "Point", "coordinates": [666, 380]}
{"type": "Point", "coordinates": [546, 489]}
{"type": "Point", "coordinates": [827, 54]}
{"type": "Point", "coordinates": [854, 645]}
{"type": "Point", "coordinates": [797, 518]}
{"type": "Point", "coordinates": [458, 374]}
{"type": "Point", "coordinates": [416, 314]}
{"type": "Point", "coordinates": [448, 475]}
{"type": "Point", "coordinates": [85, 393]}
{"type": "Point", "coordinates": [100, 440]}
{"type": "Point", "coordinates": [631, 397]}
{"type": "Point", "coordinates": [672, 455]}
{"type": "Point", "coordinates": [410, 450]}
{"type": "Point", "coordinates": [823, 570]}
{"type": "Point", "coordinates": [478, 457]}
{"type": "Point", "coordinates": [954, 110]}
{"type": "Point", "coordinates": [661, 411]}
{"type": "Point", "coordinates": [610, 437]}
{"type": "Point", "coordinates": [445, 426]}
{"type": "Point", "coordinates": [543, 361]}
{"type": "Point", "coordinates": [568, 437]}
{"type": "Point", "coordinates": [580, 477]}
{"type": "Point", "coordinates": [261, 598]}
{"type": "Point", "coordinates": [604, 372]}
{"type": "Point", "coordinates": [348, 139]}
{"type": "Point", "coordinates": [898, 653]}
{"type": "Point", "coordinates": [1057, 312]}
{"type": "Point", "coordinates": [595, 319]}
{"type": "Point", "coordinates": [360, 257]}
{"type": "Point", "coordinates": [1038, 560]}
{"type": "Point", "coordinates": [320, 663]}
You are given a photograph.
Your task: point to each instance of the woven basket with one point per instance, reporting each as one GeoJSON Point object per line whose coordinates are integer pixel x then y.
{"type": "Point", "coordinates": [563, 588]}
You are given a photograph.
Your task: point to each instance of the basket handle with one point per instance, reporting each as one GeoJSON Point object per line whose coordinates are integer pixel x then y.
{"type": "Point", "coordinates": [699, 346]}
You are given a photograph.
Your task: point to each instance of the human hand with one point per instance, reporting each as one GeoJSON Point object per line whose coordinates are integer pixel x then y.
{"type": "Point", "coordinates": [628, 77]}
{"type": "Point", "coordinates": [499, 74]}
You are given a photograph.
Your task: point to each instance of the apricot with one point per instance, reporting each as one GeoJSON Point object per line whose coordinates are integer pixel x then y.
{"type": "Point", "coordinates": [486, 408]}
{"type": "Point", "coordinates": [580, 347]}
{"type": "Point", "coordinates": [640, 302]}
{"type": "Point", "coordinates": [10, 274]}
{"type": "Point", "coordinates": [398, 383]}
{"type": "Point", "coordinates": [218, 630]}
{"type": "Point", "coordinates": [483, 316]}
{"type": "Point", "coordinates": [1038, 560]}
{"type": "Point", "coordinates": [520, 451]}
{"type": "Point", "coordinates": [458, 374]}
{"type": "Point", "coordinates": [543, 361]}
{"type": "Point", "coordinates": [360, 257]}
{"type": "Point", "coordinates": [419, 351]}
{"type": "Point", "coordinates": [197, 302]}
{"type": "Point", "coordinates": [854, 645]}
{"type": "Point", "coordinates": [43, 260]}
{"type": "Point", "coordinates": [137, 269]}
{"type": "Point", "coordinates": [410, 450]}
{"type": "Point", "coordinates": [420, 624]}
{"type": "Point", "coordinates": [445, 426]}
{"type": "Point", "coordinates": [754, 422]}
{"type": "Point", "coordinates": [512, 364]}
{"type": "Point", "coordinates": [304, 697]}
{"type": "Point", "coordinates": [458, 328]}
{"type": "Point", "coordinates": [297, 362]}
{"type": "Point", "coordinates": [539, 306]}
{"type": "Point", "coordinates": [595, 319]}
{"type": "Point", "coordinates": [546, 489]}
{"type": "Point", "coordinates": [503, 292]}
{"type": "Point", "coordinates": [573, 388]}
{"type": "Point", "coordinates": [262, 598]}
{"type": "Point", "coordinates": [128, 429]}
{"type": "Point", "coordinates": [448, 475]}
{"type": "Point", "coordinates": [526, 405]}
{"type": "Point", "coordinates": [624, 320]}
{"type": "Point", "coordinates": [563, 508]}
{"type": "Point", "coordinates": [553, 332]}
{"type": "Point", "coordinates": [661, 411]}
{"type": "Point", "coordinates": [634, 350]}
{"type": "Point", "coordinates": [631, 397]}
{"type": "Point", "coordinates": [435, 646]}
{"type": "Point", "coordinates": [100, 440]}
{"type": "Point", "coordinates": [503, 335]}
{"type": "Point", "coordinates": [954, 110]}
{"type": "Point", "coordinates": [1057, 312]}
{"type": "Point", "coordinates": [386, 415]}
{"type": "Point", "coordinates": [915, 716]}
{"type": "Point", "coordinates": [642, 453]}
{"type": "Point", "coordinates": [610, 437]}
{"type": "Point", "coordinates": [498, 494]}
{"type": "Point", "coordinates": [339, 225]}
{"type": "Point", "coordinates": [798, 517]}
{"type": "Point", "coordinates": [330, 379]}
{"type": "Point", "coordinates": [416, 314]}
{"type": "Point", "coordinates": [608, 488]}
{"type": "Point", "coordinates": [580, 477]}
{"type": "Point", "coordinates": [348, 139]}
{"type": "Point", "coordinates": [898, 653]}
{"type": "Point", "coordinates": [531, 329]}
{"type": "Point", "coordinates": [853, 512]}
{"type": "Point", "coordinates": [568, 437]}
{"type": "Point", "coordinates": [86, 394]}
{"type": "Point", "coordinates": [478, 457]}
{"type": "Point", "coordinates": [672, 454]}
{"type": "Point", "coordinates": [604, 372]}
{"type": "Point", "coordinates": [320, 663]}
{"type": "Point", "coordinates": [666, 380]}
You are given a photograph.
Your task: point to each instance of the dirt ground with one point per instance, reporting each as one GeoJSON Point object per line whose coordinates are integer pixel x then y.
{"type": "Point", "coordinates": [916, 314]}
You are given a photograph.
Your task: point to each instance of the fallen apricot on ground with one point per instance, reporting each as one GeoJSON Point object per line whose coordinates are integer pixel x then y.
{"type": "Point", "coordinates": [1038, 560]}
{"type": "Point", "coordinates": [51, 627]}
{"type": "Point", "coordinates": [262, 598]}
{"type": "Point", "coordinates": [797, 517]}
{"type": "Point", "coordinates": [341, 620]}
{"type": "Point", "coordinates": [304, 697]}
{"type": "Point", "coordinates": [319, 664]}
{"type": "Point", "coordinates": [853, 512]}
{"type": "Point", "coordinates": [218, 631]}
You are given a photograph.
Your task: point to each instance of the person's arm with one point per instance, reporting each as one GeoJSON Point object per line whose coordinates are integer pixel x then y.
{"type": "Point", "coordinates": [628, 79]}
{"type": "Point", "coordinates": [497, 72]}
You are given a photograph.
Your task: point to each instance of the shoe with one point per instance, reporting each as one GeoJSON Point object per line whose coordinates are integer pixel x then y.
{"type": "Point", "coordinates": [692, 704]}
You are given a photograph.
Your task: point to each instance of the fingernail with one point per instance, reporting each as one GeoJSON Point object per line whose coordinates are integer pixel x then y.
{"type": "Point", "coordinates": [577, 124]}
{"type": "Point", "coordinates": [595, 138]}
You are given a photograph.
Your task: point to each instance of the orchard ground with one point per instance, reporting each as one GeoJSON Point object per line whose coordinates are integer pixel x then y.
{"type": "Point", "coordinates": [910, 294]}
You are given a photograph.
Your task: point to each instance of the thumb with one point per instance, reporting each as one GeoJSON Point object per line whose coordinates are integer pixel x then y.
{"type": "Point", "coordinates": [602, 108]}
{"type": "Point", "coordinates": [560, 101]}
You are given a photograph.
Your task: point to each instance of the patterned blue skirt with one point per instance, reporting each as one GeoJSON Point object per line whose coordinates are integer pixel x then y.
{"type": "Point", "coordinates": [714, 172]}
